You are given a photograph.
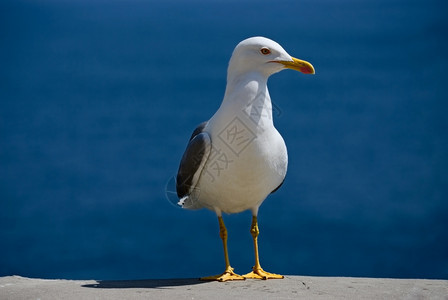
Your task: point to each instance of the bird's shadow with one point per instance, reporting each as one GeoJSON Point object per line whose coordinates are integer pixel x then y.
{"type": "Point", "coordinates": [145, 284]}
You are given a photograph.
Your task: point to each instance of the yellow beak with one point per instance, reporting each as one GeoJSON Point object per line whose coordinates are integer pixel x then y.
{"type": "Point", "coordinates": [298, 65]}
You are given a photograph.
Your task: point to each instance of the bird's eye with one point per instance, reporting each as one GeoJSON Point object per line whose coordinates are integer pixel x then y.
{"type": "Point", "coordinates": [265, 51]}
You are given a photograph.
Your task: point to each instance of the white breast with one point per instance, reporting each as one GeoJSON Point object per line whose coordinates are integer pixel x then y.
{"type": "Point", "coordinates": [248, 159]}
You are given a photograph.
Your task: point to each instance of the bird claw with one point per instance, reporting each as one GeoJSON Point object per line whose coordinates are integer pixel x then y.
{"type": "Point", "coordinates": [226, 276]}
{"type": "Point", "coordinates": [259, 273]}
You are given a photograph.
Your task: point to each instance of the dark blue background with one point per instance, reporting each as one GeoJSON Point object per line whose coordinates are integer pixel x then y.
{"type": "Point", "coordinates": [98, 99]}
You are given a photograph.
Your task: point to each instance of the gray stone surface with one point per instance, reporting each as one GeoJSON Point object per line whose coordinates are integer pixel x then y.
{"type": "Point", "coordinates": [292, 287]}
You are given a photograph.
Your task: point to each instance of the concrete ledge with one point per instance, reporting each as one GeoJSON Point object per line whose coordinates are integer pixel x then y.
{"type": "Point", "coordinates": [292, 287]}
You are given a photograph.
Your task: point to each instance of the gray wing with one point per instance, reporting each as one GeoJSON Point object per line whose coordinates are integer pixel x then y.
{"type": "Point", "coordinates": [193, 161]}
{"type": "Point", "coordinates": [278, 186]}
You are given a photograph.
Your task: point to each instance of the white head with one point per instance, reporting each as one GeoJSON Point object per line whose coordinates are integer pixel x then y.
{"type": "Point", "coordinates": [262, 55]}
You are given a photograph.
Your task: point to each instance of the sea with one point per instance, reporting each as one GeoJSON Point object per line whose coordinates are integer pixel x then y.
{"type": "Point", "coordinates": [98, 100]}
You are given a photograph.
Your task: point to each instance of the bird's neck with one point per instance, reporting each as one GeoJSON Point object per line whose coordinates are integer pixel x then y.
{"type": "Point", "coordinates": [247, 97]}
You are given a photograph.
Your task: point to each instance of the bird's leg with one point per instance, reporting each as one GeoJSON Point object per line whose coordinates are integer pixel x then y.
{"type": "Point", "coordinates": [228, 273]}
{"type": "Point", "coordinates": [257, 271]}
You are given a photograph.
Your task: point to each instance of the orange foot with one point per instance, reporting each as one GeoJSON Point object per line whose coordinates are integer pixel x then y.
{"type": "Point", "coordinates": [226, 276]}
{"type": "Point", "coordinates": [259, 273]}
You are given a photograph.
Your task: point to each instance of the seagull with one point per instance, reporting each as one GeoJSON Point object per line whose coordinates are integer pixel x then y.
{"type": "Point", "coordinates": [237, 158]}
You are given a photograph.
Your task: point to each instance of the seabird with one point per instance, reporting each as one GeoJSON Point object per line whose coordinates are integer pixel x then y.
{"type": "Point", "coordinates": [237, 158]}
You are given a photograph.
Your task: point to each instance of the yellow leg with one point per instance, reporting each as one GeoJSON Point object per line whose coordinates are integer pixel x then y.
{"type": "Point", "coordinates": [228, 273]}
{"type": "Point", "coordinates": [257, 271]}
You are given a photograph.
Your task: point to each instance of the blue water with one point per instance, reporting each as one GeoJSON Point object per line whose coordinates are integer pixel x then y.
{"type": "Point", "coordinates": [98, 99]}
